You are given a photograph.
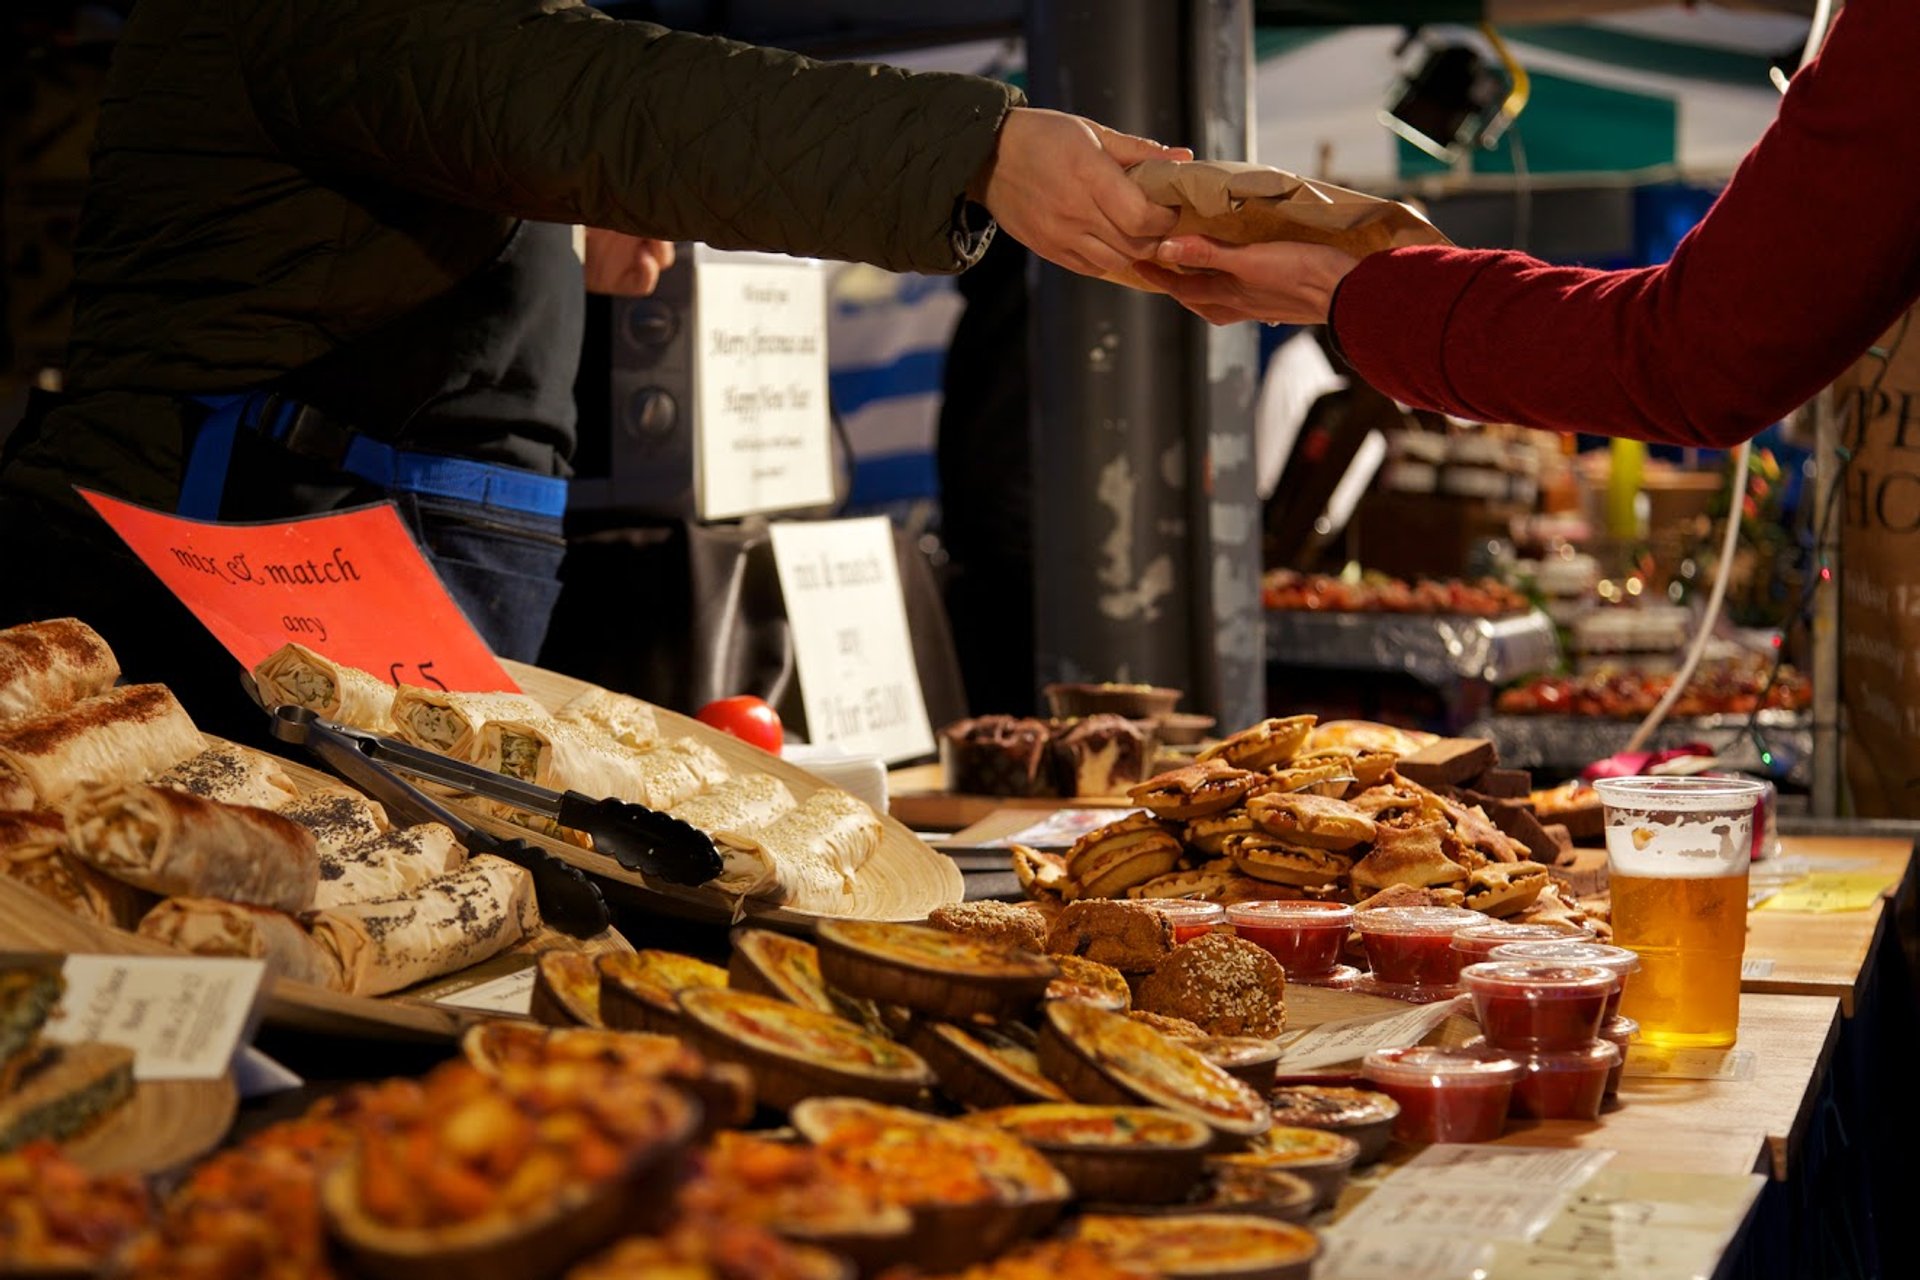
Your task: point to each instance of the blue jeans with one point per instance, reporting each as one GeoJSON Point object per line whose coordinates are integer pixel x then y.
{"type": "Point", "coordinates": [501, 567]}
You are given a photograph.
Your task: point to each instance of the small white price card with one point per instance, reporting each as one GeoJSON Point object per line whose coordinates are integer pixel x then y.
{"type": "Point", "coordinates": [1513, 1166]}
{"type": "Point", "coordinates": [1632, 1225]}
{"type": "Point", "coordinates": [184, 1018]}
{"type": "Point", "coordinates": [1398, 1255]}
{"type": "Point", "coordinates": [850, 642]}
{"type": "Point", "coordinates": [762, 439]}
{"type": "Point", "coordinates": [1756, 967]}
{"type": "Point", "coordinates": [1351, 1039]}
{"type": "Point", "coordinates": [511, 994]}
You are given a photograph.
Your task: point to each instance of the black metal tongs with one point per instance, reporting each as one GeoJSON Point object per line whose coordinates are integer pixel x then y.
{"type": "Point", "coordinates": [639, 839]}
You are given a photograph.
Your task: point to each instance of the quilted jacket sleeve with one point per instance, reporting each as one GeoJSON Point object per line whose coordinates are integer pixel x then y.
{"type": "Point", "coordinates": [544, 109]}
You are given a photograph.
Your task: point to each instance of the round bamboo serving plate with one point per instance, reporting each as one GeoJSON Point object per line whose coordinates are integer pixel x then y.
{"type": "Point", "coordinates": [903, 880]}
{"type": "Point", "coordinates": [165, 1125]}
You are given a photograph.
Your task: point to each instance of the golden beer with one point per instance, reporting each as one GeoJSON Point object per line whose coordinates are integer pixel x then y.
{"type": "Point", "coordinates": [1689, 933]}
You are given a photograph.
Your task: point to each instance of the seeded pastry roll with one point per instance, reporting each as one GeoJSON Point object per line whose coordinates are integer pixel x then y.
{"type": "Point", "coordinates": [123, 735]}
{"type": "Point", "coordinates": [294, 675]}
{"type": "Point", "coordinates": [387, 866]}
{"type": "Point", "coordinates": [450, 723]}
{"type": "Point", "coordinates": [445, 925]}
{"type": "Point", "coordinates": [232, 774]}
{"type": "Point", "coordinates": [210, 927]}
{"type": "Point", "coordinates": [49, 666]}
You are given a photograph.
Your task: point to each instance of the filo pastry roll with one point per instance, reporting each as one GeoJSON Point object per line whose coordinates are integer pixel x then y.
{"type": "Point", "coordinates": [210, 927]}
{"type": "Point", "coordinates": [626, 719]}
{"type": "Point", "coordinates": [294, 675]}
{"type": "Point", "coordinates": [445, 925]}
{"type": "Point", "coordinates": [123, 735]}
{"type": "Point", "coordinates": [450, 723]}
{"type": "Point", "coordinates": [387, 866]}
{"type": "Point", "coordinates": [33, 855]}
{"type": "Point", "coordinates": [49, 666]}
{"type": "Point", "coordinates": [338, 817]}
{"type": "Point", "coordinates": [806, 858]}
{"type": "Point", "coordinates": [677, 769]}
{"type": "Point", "coordinates": [179, 845]}
{"type": "Point", "coordinates": [738, 804]}
{"type": "Point", "coordinates": [232, 774]}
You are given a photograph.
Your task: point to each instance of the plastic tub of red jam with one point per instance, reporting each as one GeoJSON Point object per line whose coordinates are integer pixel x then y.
{"type": "Point", "coordinates": [1305, 937]}
{"type": "Point", "coordinates": [1618, 1032]}
{"type": "Point", "coordinates": [1445, 1095]}
{"type": "Point", "coordinates": [1533, 1008]}
{"type": "Point", "coordinates": [1477, 941]}
{"type": "Point", "coordinates": [1191, 918]}
{"type": "Point", "coordinates": [1411, 948]}
{"type": "Point", "coordinates": [1567, 1084]}
{"type": "Point", "coordinates": [1619, 960]}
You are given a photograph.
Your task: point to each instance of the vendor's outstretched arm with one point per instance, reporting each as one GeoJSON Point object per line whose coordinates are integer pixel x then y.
{"type": "Point", "coordinates": [1809, 255]}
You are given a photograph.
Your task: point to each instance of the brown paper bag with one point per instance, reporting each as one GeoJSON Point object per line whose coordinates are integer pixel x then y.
{"type": "Point", "coordinates": [1244, 203]}
{"type": "Point", "coordinates": [1880, 575]}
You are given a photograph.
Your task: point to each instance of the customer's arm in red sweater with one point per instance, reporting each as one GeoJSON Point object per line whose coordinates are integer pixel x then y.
{"type": "Point", "coordinates": [1811, 252]}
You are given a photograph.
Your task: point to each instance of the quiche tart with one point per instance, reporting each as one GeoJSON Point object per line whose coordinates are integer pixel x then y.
{"type": "Point", "coordinates": [1204, 1246]}
{"type": "Point", "coordinates": [1322, 1158]}
{"type": "Point", "coordinates": [981, 1067]}
{"type": "Point", "coordinates": [1103, 1057]}
{"type": "Point", "coordinates": [930, 971]}
{"type": "Point", "coordinates": [1118, 1155]}
{"type": "Point", "coordinates": [566, 989]}
{"type": "Point", "coordinates": [1249, 1058]}
{"type": "Point", "coordinates": [637, 991]}
{"type": "Point", "coordinates": [724, 1089]}
{"type": "Point", "coordinates": [774, 964]}
{"type": "Point", "coordinates": [1364, 1115]}
{"type": "Point", "coordinates": [973, 1190]}
{"type": "Point", "coordinates": [795, 1053]}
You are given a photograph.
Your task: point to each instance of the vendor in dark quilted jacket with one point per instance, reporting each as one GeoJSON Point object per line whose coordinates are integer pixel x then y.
{"type": "Point", "coordinates": [362, 209]}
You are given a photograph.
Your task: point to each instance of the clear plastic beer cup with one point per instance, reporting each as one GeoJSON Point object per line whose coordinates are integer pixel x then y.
{"type": "Point", "coordinates": [1678, 850]}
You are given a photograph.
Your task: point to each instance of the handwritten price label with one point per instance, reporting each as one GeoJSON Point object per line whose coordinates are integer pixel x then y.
{"type": "Point", "coordinates": [351, 584]}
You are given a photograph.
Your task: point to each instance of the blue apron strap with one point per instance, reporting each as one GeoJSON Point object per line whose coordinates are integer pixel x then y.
{"type": "Point", "coordinates": [205, 477]}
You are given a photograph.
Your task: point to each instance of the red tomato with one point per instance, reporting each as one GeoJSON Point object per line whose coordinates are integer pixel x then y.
{"type": "Point", "coordinates": [747, 718]}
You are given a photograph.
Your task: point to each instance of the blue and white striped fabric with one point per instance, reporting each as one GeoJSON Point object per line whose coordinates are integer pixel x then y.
{"type": "Point", "coordinates": [887, 338]}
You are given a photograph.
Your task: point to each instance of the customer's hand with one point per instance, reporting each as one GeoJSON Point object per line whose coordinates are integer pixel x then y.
{"type": "Point", "coordinates": [1057, 184]}
{"type": "Point", "coordinates": [1279, 282]}
{"type": "Point", "coordinates": [623, 265]}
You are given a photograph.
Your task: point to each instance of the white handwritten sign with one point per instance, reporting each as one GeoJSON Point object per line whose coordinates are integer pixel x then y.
{"type": "Point", "coordinates": [182, 1017]}
{"type": "Point", "coordinates": [850, 641]}
{"type": "Point", "coordinates": [762, 440]}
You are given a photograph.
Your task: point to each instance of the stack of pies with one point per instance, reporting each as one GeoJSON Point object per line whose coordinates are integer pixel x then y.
{"type": "Point", "coordinates": [1282, 811]}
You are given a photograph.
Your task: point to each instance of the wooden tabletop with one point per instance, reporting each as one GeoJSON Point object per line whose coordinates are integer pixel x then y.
{"type": "Point", "coordinates": [1827, 954]}
{"type": "Point", "coordinates": [1754, 1125]}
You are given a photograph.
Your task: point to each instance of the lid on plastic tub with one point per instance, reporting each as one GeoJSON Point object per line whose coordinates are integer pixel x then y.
{"type": "Point", "coordinates": [1299, 915]}
{"type": "Point", "coordinates": [1539, 980]}
{"type": "Point", "coordinates": [1619, 960]}
{"type": "Point", "coordinates": [1424, 921]}
{"type": "Point", "coordinates": [1488, 934]}
{"type": "Point", "coordinates": [1440, 1068]}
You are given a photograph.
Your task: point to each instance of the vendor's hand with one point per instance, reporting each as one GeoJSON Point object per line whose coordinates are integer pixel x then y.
{"type": "Point", "coordinates": [1280, 282]}
{"type": "Point", "coordinates": [623, 265]}
{"type": "Point", "coordinates": [1057, 184]}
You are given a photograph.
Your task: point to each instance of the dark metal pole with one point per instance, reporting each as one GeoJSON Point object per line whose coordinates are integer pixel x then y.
{"type": "Point", "coordinates": [1145, 529]}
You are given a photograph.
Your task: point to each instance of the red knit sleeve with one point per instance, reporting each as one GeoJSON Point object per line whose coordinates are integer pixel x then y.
{"type": "Point", "coordinates": [1811, 252]}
